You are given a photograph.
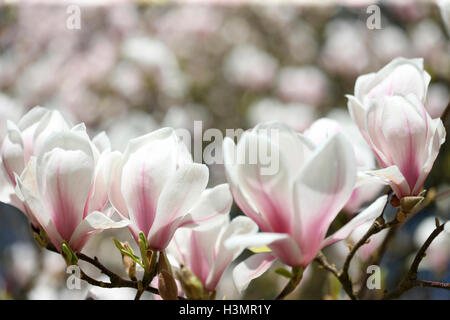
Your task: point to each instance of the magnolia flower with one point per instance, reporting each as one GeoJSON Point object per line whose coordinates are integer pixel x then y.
{"type": "Point", "coordinates": [156, 185]}
{"type": "Point", "coordinates": [64, 189]}
{"type": "Point", "coordinates": [23, 141]}
{"type": "Point", "coordinates": [388, 108]}
{"type": "Point", "coordinates": [294, 206]}
{"type": "Point", "coordinates": [323, 128]}
{"type": "Point", "coordinates": [202, 249]}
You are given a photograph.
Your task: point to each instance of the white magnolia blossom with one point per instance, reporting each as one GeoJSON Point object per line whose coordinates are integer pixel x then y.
{"type": "Point", "coordinates": [202, 249]}
{"type": "Point", "coordinates": [388, 108]}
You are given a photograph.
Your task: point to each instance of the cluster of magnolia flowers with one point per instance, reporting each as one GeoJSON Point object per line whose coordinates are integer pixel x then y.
{"type": "Point", "coordinates": [70, 186]}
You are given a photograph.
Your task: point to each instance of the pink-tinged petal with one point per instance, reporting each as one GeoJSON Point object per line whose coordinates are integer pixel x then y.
{"type": "Point", "coordinates": [289, 252]}
{"type": "Point", "coordinates": [201, 250]}
{"type": "Point", "coordinates": [177, 197]}
{"type": "Point", "coordinates": [144, 175]}
{"type": "Point", "coordinates": [94, 223]}
{"type": "Point", "coordinates": [437, 138]}
{"type": "Point", "coordinates": [400, 77]}
{"type": "Point", "coordinates": [393, 177]}
{"type": "Point", "coordinates": [98, 195]}
{"type": "Point", "coordinates": [367, 215]}
{"type": "Point", "coordinates": [243, 201]}
{"type": "Point", "coordinates": [113, 178]}
{"type": "Point", "coordinates": [250, 269]}
{"type": "Point", "coordinates": [13, 152]}
{"type": "Point", "coordinates": [222, 255]}
{"type": "Point", "coordinates": [321, 191]}
{"type": "Point", "coordinates": [283, 246]}
{"type": "Point", "coordinates": [213, 203]}
{"type": "Point", "coordinates": [375, 136]}
{"type": "Point", "coordinates": [37, 208]}
{"type": "Point", "coordinates": [270, 192]}
{"type": "Point", "coordinates": [65, 171]}
{"type": "Point", "coordinates": [406, 130]}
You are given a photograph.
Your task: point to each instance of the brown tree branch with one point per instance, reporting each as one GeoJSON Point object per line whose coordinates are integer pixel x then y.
{"type": "Point", "coordinates": [410, 280]}
{"type": "Point", "coordinates": [116, 281]}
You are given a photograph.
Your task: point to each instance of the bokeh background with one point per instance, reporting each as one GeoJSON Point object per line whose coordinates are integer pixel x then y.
{"type": "Point", "coordinates": [135, 67]}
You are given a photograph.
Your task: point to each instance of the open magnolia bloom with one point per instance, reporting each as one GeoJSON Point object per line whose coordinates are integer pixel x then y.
{"type": "Point", "coordinates": [156, 185]}
{"type": "Point", "coordinates": [64, 190]}
{"type": "Point", "coordinates": [202, 249]}
{"type": "Point", "coordinates": [388, 108]}
{"type": "Point", "coordinates": [323, 128]}
{"type": "Point", "coordinates": [294, 205]}
{"type": "Point", "coordinates": [24, 140]}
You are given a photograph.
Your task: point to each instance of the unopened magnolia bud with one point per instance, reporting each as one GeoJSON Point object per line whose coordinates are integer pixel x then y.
{"type": "Point", "coordinates": [191, 285]}
{"type": "Point", "coordinates": [167, 286]}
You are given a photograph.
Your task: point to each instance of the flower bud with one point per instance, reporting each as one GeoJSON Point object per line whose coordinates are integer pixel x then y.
{"type": "Point", "coordinates": [167, 286]}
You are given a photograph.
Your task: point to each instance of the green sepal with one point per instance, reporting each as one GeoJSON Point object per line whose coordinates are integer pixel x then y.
{"type": "Point", "coordinates": [129, 252]}
{"type": "Point", "coordinates": [285, 273]}
{"type": "Point", "coordinates": [68, 254]}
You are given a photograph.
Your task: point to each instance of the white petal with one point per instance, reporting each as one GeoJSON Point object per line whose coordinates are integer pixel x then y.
{"type": "Point", "coordinates": [213, 202]}
{"type": "Point", "coordinates": [369, 214]}
{"type": "Point", "coordinates": [255, 240]}
{"type": "Point", "coordinates": [13, 152]}
{"type": "Point", "coordinates": [392, 176]}
{"type": "Point", "coordinates": [321, 191]}
{"type": "Point", "coordinates": [92, 224]}
{"type": "Point", "coordinates": [242, 200]}
{"type": "Point", "coordinates": [178, 196]}
{"type": "Point", "coordinates": [144, 175]}
{"type": "Point", "coordinates": [251, 269]}
{"type": "Point", "coordinates": [102, 142]}
{"type": "Point", "coordinates": [65, 171]}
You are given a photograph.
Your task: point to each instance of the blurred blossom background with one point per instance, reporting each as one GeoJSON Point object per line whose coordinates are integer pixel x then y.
{"type": "Point", "coordinates": [136, 67]}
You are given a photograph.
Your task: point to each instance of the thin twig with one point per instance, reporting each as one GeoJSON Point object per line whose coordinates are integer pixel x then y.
{"type": "Point", "coordinates": [410, 279]}
{"type": "Point", "coordinates": [377, 257]}
{"type": "Point", "coordinates": [116, 281]}
{"type": "Point", "coordinates": [323, 262]}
